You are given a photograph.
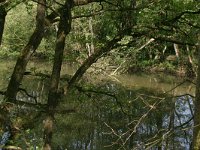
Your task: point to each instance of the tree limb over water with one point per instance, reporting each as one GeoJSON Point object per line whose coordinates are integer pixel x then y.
{"type": "Point", "coordinates": [81, 89]}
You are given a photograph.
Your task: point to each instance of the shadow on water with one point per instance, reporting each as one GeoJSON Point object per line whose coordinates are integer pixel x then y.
{"type": "Point", "coordinates": [136, 112]}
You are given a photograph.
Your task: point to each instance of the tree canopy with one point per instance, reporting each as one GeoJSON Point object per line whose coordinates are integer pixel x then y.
{"type": "Point", "coordinates": [127, 33]}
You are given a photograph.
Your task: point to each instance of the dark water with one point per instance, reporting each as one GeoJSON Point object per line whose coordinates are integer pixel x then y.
{"type": "Point", "coordinates": [125, 112]}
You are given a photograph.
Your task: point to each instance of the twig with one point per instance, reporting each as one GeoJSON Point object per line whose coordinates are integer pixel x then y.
{"type": "Point", "coordinates": [59, 3]}
{"type": "Point", "coordinates": [181, 125]}
{"type": "Point", "coordinates": [81, 89]}
{"type": "Point", "coordinates": [178, 85]}
{"type": "Point", "coordinates": [114, 72]}
{"type": "Point", "coordinates": [110, 3]}
{"type": "Point", "coordinates": [140, 120]}
{"type": "Point", "coordinates": [184, 95]}
{"type": "Point", "coordinates": [113, 132]}
{"type": "Point", "coordinates": [192, 113]}
{"type": "Point", "coordinates": [88, 15]}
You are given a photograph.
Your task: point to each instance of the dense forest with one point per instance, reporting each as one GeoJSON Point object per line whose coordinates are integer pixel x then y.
{"type": "Point", "coordinates": [46, 106]}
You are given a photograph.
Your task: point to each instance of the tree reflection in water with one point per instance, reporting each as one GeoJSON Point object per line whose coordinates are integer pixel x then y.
{"type": "Point", "coordinates": [151, 120]}
{"type": "Point", "coordinates": [110, 117]}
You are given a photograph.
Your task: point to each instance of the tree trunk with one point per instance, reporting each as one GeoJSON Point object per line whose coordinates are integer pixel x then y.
{"type": "Point", "coordinates": [89, 46]}
{"type": "Point", "coordinates": [3, 14]}
{"type": "Point", "coordinates": [196, 131]}
{"type": "Point", "coordinates": [92, 35]}
{"type": "Point", "coordinates": [176, 49]}
{"type": "Point", "coordinates": [54, 95]}
{"type": "Point", "coordinates": [63, 29]}
{"type": "Point", "coordinates": [55, 76]}
{"type": "Point", "coordinates": [26, 53]}
{"type": "Point", "coordinates": [92, 59]}
{"type": "Point", "coordinates": [32, 45]}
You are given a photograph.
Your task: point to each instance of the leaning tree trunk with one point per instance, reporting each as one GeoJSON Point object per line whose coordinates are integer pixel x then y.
{"type": "Point", "coordinates": [3, 14]}
{"type": "Point", "coordinates": [53, 96]}
{"type": "Point", "coordinates": [92, 59]}
{"type": "Point", "coordinates": [196, 130]}
{"type": "Point", "coordinates": [26, 53]}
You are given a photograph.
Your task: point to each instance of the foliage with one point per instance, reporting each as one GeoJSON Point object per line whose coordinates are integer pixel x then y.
{"type": "Point", "coordinates": [173, 20]}
{"type": "Point", "coordinates": [148, 29]}
{"type": "Point", "coordinates": [18, 29]}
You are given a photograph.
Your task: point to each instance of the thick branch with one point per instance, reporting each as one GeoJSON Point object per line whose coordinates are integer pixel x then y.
{"type": "Point", "coordinates": [84, 2]}
{"type": "Point", "coordinates": [81, 89]}
{"type": "Point", "coordinates": [180, 15]}
{"type": "Point", "coordinates": [92, 59]}
{"type": "Point", "coordinates": [171, 40]}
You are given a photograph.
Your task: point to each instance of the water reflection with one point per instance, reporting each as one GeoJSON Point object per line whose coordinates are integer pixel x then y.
{"type": "Point", "coordinates": [160, 82]}
{"type": "Point", "coordinates": [33, 91]}
{"type": "Point", "coordinates": [133, 113]}
{"type": "Point", "coordinates": [151, 121]}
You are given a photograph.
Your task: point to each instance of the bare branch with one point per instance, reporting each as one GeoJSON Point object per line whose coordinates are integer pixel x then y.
{"type": "Point", "coordinates": [90, 15]}
{"type": "Point", "coordinates": [177, 86]}
{"type": "Point", "coordinates": [81, 89]}
{"type": "Point", "coordinates": [59, 3]}
{"type": "Point", "coordinates": [171, 40]}
{"type": "Point", "coordinates": [110, 3]}
{"type": "Point", "coordinates": [180, 16]}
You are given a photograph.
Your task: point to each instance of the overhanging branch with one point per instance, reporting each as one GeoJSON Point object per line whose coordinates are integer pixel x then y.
{"type": "Point", "coordinates": [171, 40]}
{"type": "Point", "coordinates": [176, 18]}
{"type": "Point", "coordinates": [84, 2]}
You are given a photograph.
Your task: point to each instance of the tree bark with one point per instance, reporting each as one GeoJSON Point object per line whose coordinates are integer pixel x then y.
{"type": "Point", "coordinates": [92, 59]}
{"type": "Point", "coordinates": [63, 29]}
{"type": "Point", "coordinates": [26, 53]}
{"type": "Point", "coordinates": [54, 95]}
{"type": "Point", "coordinates": [3, 14]}
{"type": "Point", "coordinates": [33, 44]}
{"type": "Point", "coordinates": [196, 130]}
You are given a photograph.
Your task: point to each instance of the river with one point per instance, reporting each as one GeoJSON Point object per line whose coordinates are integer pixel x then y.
{"type": "Point", "coordinates": [136, 112]}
